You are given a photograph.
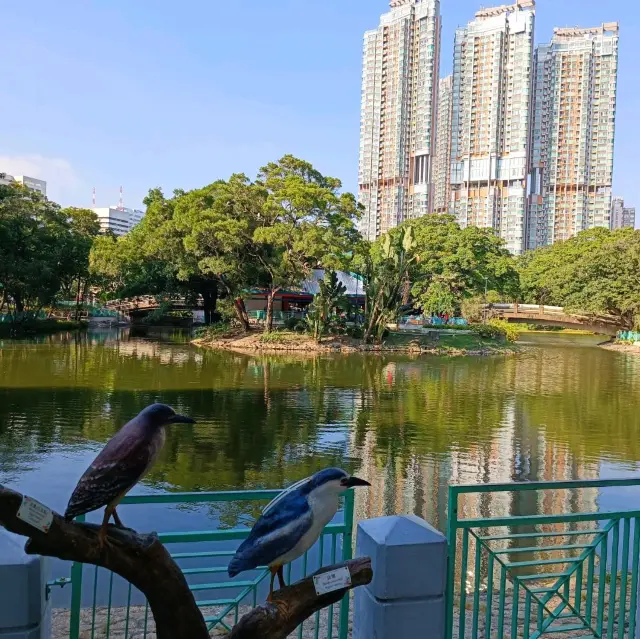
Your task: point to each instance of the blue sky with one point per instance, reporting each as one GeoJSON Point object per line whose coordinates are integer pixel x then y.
{"type": "Point", "coordinates": [145, 93]}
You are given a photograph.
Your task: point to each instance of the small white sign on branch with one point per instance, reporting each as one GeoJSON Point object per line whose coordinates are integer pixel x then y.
{"type": "Point", "coordinates": [35, 514]}
{"type": "Point", "coordinates": [332, 580]}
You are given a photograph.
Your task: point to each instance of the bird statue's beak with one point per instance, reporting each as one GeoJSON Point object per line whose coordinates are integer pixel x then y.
{"type": "Point", "coordinates": [350, 482]}
{"type": "Point", "coordinates": [181, 419]}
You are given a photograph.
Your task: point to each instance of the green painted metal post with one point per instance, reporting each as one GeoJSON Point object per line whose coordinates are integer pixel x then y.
{"type": "Point", "coordinates": [76, 596]}
{"type": "Point", "coordinates": [452, 530]}
{"type": "Point", "coordinates": [347, 553]}
{"type": "Point", "coordinates": [634, 578]}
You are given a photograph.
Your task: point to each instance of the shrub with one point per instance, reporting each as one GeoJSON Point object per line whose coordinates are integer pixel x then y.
{"type": "Point", "coordinates": [510, 331]}
{"type": "Point", "coordinates": [292, 323]}
{"type": "Point", "coordinates": [274, 337]}
{"type": "Point", "coordinates": [356, 331]}
{"type": "Point", "coordinates": [213, 331]}
{"type": "Point", "coordinates": [497, 329]}
{"type": "Point", "coordinates": [487, 331]}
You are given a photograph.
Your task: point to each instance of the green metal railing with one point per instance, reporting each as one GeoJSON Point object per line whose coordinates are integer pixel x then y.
{"type": "Point", "coordinates": [528, 576]}
{"type": "Point", "coordinates": [628, 336]}
{"type": "Point", "coordinates": [104, 605]}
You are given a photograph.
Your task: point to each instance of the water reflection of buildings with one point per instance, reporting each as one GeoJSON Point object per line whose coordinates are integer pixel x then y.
{"type": "Point", "coordinates": [516, 451]}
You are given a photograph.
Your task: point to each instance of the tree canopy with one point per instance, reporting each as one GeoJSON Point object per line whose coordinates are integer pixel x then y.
{"type": "Point", "coordinates": [596, 272]}
{"type": "Point", "coordinates": [433, 264]}
{"type": "Point", "coordinates": [234, 235]}
{"type": "Point", "coordinates": [454, 264]}
{"type": "Point", "coordinates": [45, 249]}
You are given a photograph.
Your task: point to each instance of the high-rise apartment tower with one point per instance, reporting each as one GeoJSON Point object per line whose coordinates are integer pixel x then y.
{"type": "Point", "coordinates": [490, 131]}
{"type": "Point", "coordinates": [397, 131]}
{"type": "Point", "coordinates": [574, 107]}
{"type": "Point", "coordinates": [622, 216]}
{"type": "Point", "coordinates": [442, 162]}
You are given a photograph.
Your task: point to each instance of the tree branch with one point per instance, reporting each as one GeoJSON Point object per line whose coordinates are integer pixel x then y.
{"type": "Point", "coordinates": [146, 564]}
{"type": "Point", "coordinates": [140, 559]}
{"type": "Point", "coordinates": [292, 605]}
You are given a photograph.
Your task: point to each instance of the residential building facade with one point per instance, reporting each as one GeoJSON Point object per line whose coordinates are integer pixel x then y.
{"type": "Point", "coordinates": [118, 220]}
{"type": "Point", "coordinates": [442, 161]}
{"type": "Point", "coordinates": [397, 131]}
{"type": "Point", "coordinates": [621, 215]}
{"type": "Point", "coordinates": [574, 108]}
{"type": "Point", "coordinates": [490, 123]}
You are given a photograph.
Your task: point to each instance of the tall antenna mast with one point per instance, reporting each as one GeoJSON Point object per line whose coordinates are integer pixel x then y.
{"type": "Point", "coordinates": [93, 198]}
{"type": "Point", "coordinates": [121, 201]}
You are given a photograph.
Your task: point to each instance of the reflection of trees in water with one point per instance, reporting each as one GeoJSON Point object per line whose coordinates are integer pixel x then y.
{"type": "Point", "coordinates": [414, 425]}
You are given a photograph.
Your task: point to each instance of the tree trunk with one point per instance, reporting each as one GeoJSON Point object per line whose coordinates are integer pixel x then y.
{"type": "Point", "coordinates": [371, 323]}
{"type": "Point", "coordinates": [241, 312]}
{"type": "Point", "coordinates": [268, 327]}
{"type": "Point", "coordinates": [18, 302]}
{"type": "Point", "coordinates": [78, 298]}
{"type": "Point", "coordinates": [210, 301]}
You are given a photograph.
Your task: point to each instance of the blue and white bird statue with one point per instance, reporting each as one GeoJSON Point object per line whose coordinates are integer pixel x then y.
{"type": "Point", "coordinates": [292, 523]}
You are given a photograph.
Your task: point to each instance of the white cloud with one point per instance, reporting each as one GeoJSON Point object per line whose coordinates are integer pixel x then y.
{"type": "Point", "coordinates": [63, 183]}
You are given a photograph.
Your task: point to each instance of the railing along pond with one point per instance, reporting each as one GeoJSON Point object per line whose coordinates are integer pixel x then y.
{"type": "Point", "coordinates": [104, 605]}
{"type": "Point", "coordinates": [528, 576]}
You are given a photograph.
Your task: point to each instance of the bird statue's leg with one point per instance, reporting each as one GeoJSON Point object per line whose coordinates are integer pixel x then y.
{"type": "Point", "coordinates": [281, 577]}
{"type": "Point", "coordinates": [273, 577]}
{"type": "Point", "coordinates": [102, 535]}
{"type": "Point", "coordinates": [117, 519]}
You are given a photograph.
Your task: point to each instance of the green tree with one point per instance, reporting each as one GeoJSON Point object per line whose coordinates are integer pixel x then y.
{"type": "Point", "coordinates": [305, 223]}
{"type": "Point", "coordinates": [233, 235]}
{"type": "Point", "coordinates": [218, 224]}
{"type": "Point", "coordinates": [454, 264]}
{"type": "Point", "coordinates": [596, 273]}
{"type": "Point", "coordinates": [39, 249]}
{"type": "Point", "coordinates": [84, 228]}
{"type": "Point", "coordinates": [331, 295]}
{"type": "Point", "coordinates": [389, 266]}
{"type": "Point", "coordinates": [153, 259]}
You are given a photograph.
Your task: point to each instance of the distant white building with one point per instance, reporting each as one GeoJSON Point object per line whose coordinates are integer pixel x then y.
{"type": "Point", "coordinates": [31, 183]}
{"type": "Point", "coordinates": [119, 220]}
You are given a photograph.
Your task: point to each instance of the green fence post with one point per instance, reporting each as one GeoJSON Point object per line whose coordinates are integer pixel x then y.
{"type": "Point", "coordinates": [76, 596]}
{"type": "Point", "coordinates": [452, 530]}
{"type": "Point", "coordinates": [347, 553]}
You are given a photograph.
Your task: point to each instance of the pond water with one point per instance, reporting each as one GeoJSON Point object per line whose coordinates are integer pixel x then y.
{"type": "Point", "coordinates": [561, 409]}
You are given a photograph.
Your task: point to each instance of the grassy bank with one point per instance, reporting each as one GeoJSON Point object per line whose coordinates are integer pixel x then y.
{"type": "Point", "coordinates": [398, 342]}
{"type": "Point", "coordinates": [39, 327]}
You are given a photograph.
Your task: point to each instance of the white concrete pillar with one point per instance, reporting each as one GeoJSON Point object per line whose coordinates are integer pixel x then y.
{"type": "Point", "coordinates": [406, 597]}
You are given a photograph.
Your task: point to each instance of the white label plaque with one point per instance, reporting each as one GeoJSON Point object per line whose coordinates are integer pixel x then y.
{"type": "Point", "coordinates": [35, 514]}
{"type": "Point", "coordinates": [332, 580]}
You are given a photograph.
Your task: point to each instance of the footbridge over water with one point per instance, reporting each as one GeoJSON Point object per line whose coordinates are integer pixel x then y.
{"type": "Point", "coordinates": [553, 316]}
{"type": "Point", "coordinates": [146, 303]}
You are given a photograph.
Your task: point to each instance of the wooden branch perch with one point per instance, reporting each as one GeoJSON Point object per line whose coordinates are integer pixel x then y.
{"type": "Point", "coordinates": [145, 562]}
{"type": "Point", "coordinates": [140, 559]}
{"type": "Point", "coordinates": [292, 605]}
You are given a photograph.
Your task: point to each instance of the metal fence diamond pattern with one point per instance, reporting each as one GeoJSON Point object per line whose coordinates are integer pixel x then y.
{"type": "Point", "coordinates": [573, 574]}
